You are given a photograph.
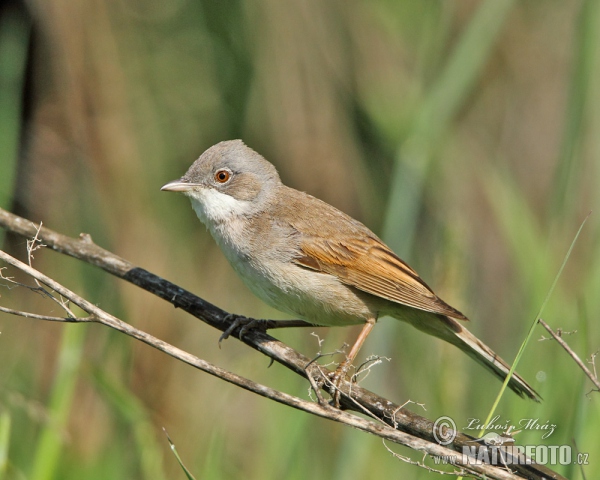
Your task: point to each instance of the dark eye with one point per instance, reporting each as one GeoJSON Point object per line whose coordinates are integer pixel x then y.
{"type": "Point", "coordinates": [222, 176]}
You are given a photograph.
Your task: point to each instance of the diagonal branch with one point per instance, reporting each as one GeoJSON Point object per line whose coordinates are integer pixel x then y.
{"type": "Point", "coordinates": [573, 355]}
{"type": "Point", "coordinates": [323, 410]}
{"type": "Point", "coordinates": [420, 430]}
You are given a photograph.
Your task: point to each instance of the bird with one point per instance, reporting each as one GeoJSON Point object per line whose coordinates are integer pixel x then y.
{"type": "Point", "coordinates": [305, 257]}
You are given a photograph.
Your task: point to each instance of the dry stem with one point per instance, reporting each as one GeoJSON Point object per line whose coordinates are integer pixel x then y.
{"type": "Point", "coordinates": [574, 356]}
{"type": "Point", "coordinates": [395, 423]}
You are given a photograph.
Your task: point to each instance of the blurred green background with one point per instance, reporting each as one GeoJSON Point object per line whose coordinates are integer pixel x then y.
{"type": "Point", "coordinates": [465, 133]}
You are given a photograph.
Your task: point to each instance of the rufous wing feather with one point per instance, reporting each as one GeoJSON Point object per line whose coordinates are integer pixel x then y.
{"type": "Point", "coordinates": [369, 265]}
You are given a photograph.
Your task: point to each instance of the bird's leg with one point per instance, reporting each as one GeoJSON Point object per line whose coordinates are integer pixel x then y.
{"type": "Point", "coordinates": [340, 372]}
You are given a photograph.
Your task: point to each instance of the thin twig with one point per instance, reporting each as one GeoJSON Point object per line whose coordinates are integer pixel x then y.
{"type": "Point", "coordinates": [394, 415]}
{"type": "Point", "coordinates": [573, 355]}
{"type": "Point", "coordinates": [458, 473]}
{"type": "Point", "coordinates": [46, 317]}
{"type": "Point", "coordinates": [33, 245]}
{"type": "Point", "coordinates": [592, 362]}
{"type": "Point", "coordinates": [382, 430]}
{"type": "Point", "coordinates": [560, 332]}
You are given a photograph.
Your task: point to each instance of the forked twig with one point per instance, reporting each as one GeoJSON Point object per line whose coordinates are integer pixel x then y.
{"type": "Point", "coordinates": [382, 430]}
{"type": "Point", "coordinates": [400, 425]}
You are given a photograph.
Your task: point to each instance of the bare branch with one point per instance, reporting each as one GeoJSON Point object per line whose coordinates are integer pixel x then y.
{"type": "Point", "coordinates": [398, 424]}
{"type": "Point", "coordinates": [35, 316]}
{"type": "Point", "coordinates": [323, 410]}
{"type": "Point", "coordinates": [33, 245]}
{"type": "Point", "coordinates": [573, 355]}
{"type": "Point", "coordinates": [458, 473]}
{"type": "Point", "coordinates": [592, 362]}
{"type": "Point", "coordinates": [39, 289]}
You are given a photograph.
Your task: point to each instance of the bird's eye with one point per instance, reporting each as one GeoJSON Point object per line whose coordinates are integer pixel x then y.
{"type": "Point", "coordinates": [222, 176]}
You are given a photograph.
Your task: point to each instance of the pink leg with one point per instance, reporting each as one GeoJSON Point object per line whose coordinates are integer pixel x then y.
{"type": "Point", "coordinates": [340, 372]}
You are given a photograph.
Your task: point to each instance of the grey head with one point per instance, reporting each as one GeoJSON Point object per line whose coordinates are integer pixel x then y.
{"type": "Point", "coordinates": [228, 178]}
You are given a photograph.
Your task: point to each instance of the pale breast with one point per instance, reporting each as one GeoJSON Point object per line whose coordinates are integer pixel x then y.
{"type": "Point", "coordinates": [271, 275]}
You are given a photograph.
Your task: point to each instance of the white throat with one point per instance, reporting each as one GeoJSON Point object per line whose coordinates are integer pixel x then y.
{"type": "Point", "coordinates": [214, 207]}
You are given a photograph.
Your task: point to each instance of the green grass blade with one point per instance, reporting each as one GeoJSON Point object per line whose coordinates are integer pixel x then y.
{"type": "Point", "coordinates": [4, 442]}
{"type": "Point", "coordinates": [47, 452]}
{"type": "Point", "coordinates": [532, 327]}
{"type": "Point", "coordinates": [135, 414]}
{"type": "Point", "coordinates": [174, 450]}
{"type": "Point", "coordinates": [14, 38]}
{"type": "Point", "coordinates": [440, 106]}
{"type": "Point", "coordinates": [581, 95]}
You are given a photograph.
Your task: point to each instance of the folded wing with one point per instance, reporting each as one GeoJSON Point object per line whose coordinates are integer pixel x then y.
{"type": "Point", "coordinates": [369, 265]}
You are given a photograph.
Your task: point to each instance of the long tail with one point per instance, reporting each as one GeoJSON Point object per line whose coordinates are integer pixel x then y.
{"type": "Point", "coordinates": [452, 331]}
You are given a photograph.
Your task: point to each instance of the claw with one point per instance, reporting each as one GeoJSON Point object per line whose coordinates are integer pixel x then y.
{"type": "Point", "coordinates": [248, 326]}
{"type": "Point", "coordinates": [245, 323]}
{"type": "Point", "coordinates": [231, 328]}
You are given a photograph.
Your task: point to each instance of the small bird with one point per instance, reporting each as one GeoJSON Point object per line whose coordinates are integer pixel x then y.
{"type": "Point", "coordinates": [306, 258]}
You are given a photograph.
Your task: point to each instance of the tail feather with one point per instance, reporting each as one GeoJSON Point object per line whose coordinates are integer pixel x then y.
{"type": "Point", "coordinates": [452, 331]}
{"type": "Point", "coordinates": [485, 356]}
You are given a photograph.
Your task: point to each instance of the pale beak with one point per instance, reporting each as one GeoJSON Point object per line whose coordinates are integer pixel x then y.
{"type": "Point", "coordinates": [178, 186]}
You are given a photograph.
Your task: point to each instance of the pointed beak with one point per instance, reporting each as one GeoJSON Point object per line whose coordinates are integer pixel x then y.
{"type": "Point", "coordinates": [178, 186]}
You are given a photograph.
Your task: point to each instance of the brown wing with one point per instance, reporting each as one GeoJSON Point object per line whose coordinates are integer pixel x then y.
{"type": "Point", "coordinates": [369, 265]}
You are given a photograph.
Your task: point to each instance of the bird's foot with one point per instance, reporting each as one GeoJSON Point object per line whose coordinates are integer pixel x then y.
{"type": "Point", "coordinates": [337, 378]}
{"type": "Point", "coordinates": [245, 323]}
